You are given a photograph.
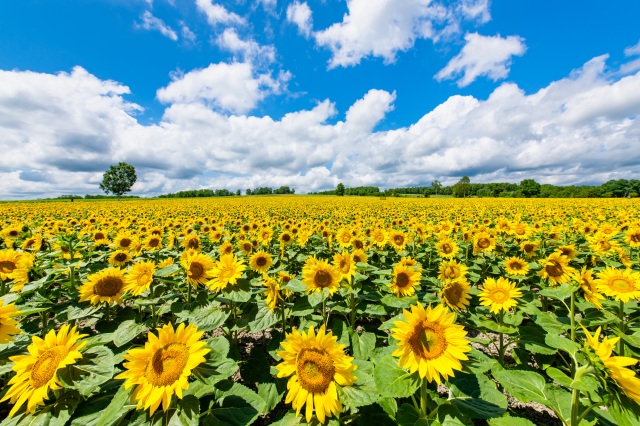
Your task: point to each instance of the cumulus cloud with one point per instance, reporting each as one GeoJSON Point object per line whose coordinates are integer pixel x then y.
{"type": "Point", "coordinates": [249, 50]}
{"type": "Point", "coordinates": [300, 15]}
{"type": "Point", "coordinates": [382, 28]}
{"type": "Point", "coordinates": [217, 14]}
{"type": "Point", "coordinates": [187, 35]}
{"type": "Point", "coordinates": [150, 22]}
{"type": "Point", "coordinates": [60, 132]}
{"type": "Point", "coordinates": [482, 56]}
{"type": "Point", "coordinates": [234, 87]}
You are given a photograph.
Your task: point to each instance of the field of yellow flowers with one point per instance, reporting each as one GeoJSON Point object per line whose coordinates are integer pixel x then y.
{"type": "Point", "coordinates": [332, 310]}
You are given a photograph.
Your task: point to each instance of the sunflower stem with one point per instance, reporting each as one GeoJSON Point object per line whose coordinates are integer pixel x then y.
{"type": "Point", "coordinates": [424, 398]}
{"type": "Point", "coordinates": [108, 311]}
{"type": "Point", "coordinates": [622, 329]}
{"type": "Point", "coordinates": [2, 292]}
{"type": "Point", "coordinates": [501, 337]}
{"type": "Point", "coordinates": [575, 395]}
{"type": "Point", "coordinates": [189, 295]}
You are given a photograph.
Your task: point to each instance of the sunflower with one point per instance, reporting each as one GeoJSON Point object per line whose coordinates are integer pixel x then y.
{"type": "Point", "coordinates": [343, 237]}
{"type": "Point", "coordinates": [198, 267]}
{"type": "Point", "coordinates": [516, 266]}
{"type": "Point", "coordinates": [225, 248]}
{"type": "Point", "coordinates": [430, 343]}
{"type": "Point", "coordinates": [153, 242]}
{"type": "Point", "coordinates": [8, 262]}
{"type": "Point", "coordinates": [139, 277]}
{"type": "Point", "coordinates": [483, 242]}
{"type": "Point", "coordinates": [588, 286]}
{"type": "Point", "coordinates": [451, 270]}
{"type": "Point", "coordinates": [100, 238]}
{"type": "Point", "coordinates": [36, 372]}
{"type": "Point", "coordinates": [318, 274]}
{"type": "Point", "coordinates": [103, 286]}
{"type": "Point", "coordinates": [272, 293]}
{"type": "Point", "coordinates": [7, 323]}
{"type": "Point", "coordinates": [261, 262]}
{"type": "Point", "coordinates": [162, 368]}
{"type": "Point", "coordinates": [602, 244]}
{"type": "Point", "coordinates": [408, 261]}
{"type": "Point", "coordinates": [191, 241]}
{"type": "Point", "coordinates": [500, 294]}
{"type": "Point", "coordinates": [125, 241]}
{"type": "Point", "coordinates": [285, 238]}
{"type": "Point", "coordinates": [226, 272]}
{"type": "Point", "coordinates": [397, 240]}
{"type": "Point", "coordinates": [622, 285]}
{"type": "Point", "coordinates": [632, 237]}
{"type": "Point", "coordinates": [521, 231]}
{"type": "Point", "coordinates": [245, 247]}
{"type": "Point", "coordinates": [12, 231]}
{"type": "Point", "coordinates": [33, 243]}
{"type": "Point", "coordinates": [405, 280]}
{"type": "Point", "coordinates": [119, 258]}
{"type": "Point", "coordinates": [447, 248]}
{"type": "Point", "coordinates": [615, 365]}
{"type": "Point", "coordinates": [20, 275]}
{"type": "Point", "coordinates": [556, 268]}
{"type": "Point", "coordinates": [529, 247]}
{"type": "Point", "coordinates": [317, 365]}
{"type": "Point", "coordinates": [379, 237]}
{"type": "Point", "coordinates": [455, 294]}
{"type": "Point", "coordinates": [344, 262]}
{"type": "Point", "coordinates": [359, 256]}
{"type": "Point", "coordinates": [569, 251]}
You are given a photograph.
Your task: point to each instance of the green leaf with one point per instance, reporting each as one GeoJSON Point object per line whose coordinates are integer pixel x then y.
{"type": "Point", "coordinates": [256, 368]}
{"type": "Point", "coordinates": [239, 292]}
{"type": "Point", "coordinates": [117, 409]}
{"type": "Point", "coordinates": [391, 322]}
{"type": "Point", "coordinates": [561, 292]}
{"type": "Point", "coordinates": [408, 416]}
{"type": "Point", "coordinates": [188, 412]}
{"type": "Point", "coordinates": [398, 302]}
{"type": "Point", "coordinates": [168, 270]}
{"type": "Point", "coordinates": [271, 396]}
{"type": "Point", "coordinates": [95, 368]}
{"type": "Point", "coordinates": [227, 389]}
{"type": "Point", "coordinates": [206, 318]}
{"type": "Point", "coordinates": [375, 415]}
{"type": "Point", "coordinates": [559, 377]}
{"type": "Point", "coordinates": [233, 409]}
{"type": "Point", "coordinates": [302, 308]}
{"type": "Point", "coordinates": [362, 344]}
{"type": "Point", "coordinates": [126, 332]}
{"type": "Point", "coordinates": [340, 329]}
{"type": "Point", "coordinates": [562, 343]}
{"type": "Point", "coordinates": [265, 318]}
{"type": "Point", "coordinates": [478, 362]}
{"type": "Point", "coordinates": [289, 419]}
{"type": "Point", "coordinates": [525, 386]}
{"type": "Point", "coordinates": [510, 421]}
{"type": "Point", "coordinates": [296, 286]}
{"type": "Point", "coordinates": [476, 397]}
{"type": "Point", "coordinates": [532, 338]}
{"type": "Point", "coordinates": [392, 381]}
{"type": "Point", "coordinates": [317, 297]}
{"type": "Point", "coordinates": [491, 325]}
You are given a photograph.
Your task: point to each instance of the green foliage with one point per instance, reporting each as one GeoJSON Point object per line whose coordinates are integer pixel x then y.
{"type": "Point", "coordinates": [340, 189]}
{"type": "Point", "coordinates": [118, 179]}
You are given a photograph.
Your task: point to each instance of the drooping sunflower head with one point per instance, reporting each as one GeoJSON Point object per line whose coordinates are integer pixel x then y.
{"type": "Point", "coordinates": [100, 237]}
{"type": "Point", "coordinates": [405, 280]}
{"type": "Point", "coordinates": [198, 267]}
{"type": "Point", "coordinates": [162, 368]}
{"type": "Point", "coordinates": [556, 268]}
{"type": "Point", "coordinates": [319, 274]}
{"type": "Point", "coordinates": [36, 372]}
{"type": "Point", "coordinates": [569, 251]}
{"type": "Point", "coordinates": [225, 248]}
{"type": "Point", "coordinates": [317, 366]}
{"type": "Point", "coordinates": [430, 342]}
{"type": "Point", "coordinates": [105, 286]}
{"type": "Point", "coordinates": [455, 294]}
{"type": "Point", "coordinates": [632, 237]}
{"type": "Point", "coordinates": [119, 258]}
{"type": "Point", "coordinates": [620, 284]}
{"type": "Point", "coordinates": [272, 293]}
{"type": "Point", "coordinates": [8, 326]}
{"type": "Point", "coordinates": [261, 262]}
{"type": "Point", "coordinates": [345, 264]}
{"type": "Point", "coordinates": [516, 266]}
{"type": "Point", "coordinates": [359, 256]}
{"type": "Point", "coordinates": [139, 277]}
{"type": "Point", "coordinates": [588, 286]}
{"type": "Point", "coordinates": [33, 243]}
{"type": "Point", "coordinates": [226, 272]}
{"type": "Point", "coordinates": [8, 262]}
{"type": "Point", "coordinates": [529, 248]}
{"type": "Point", "coordinates": [286, 238]}
{"type": "Point", "coordinates": [500, 294]}
{"type": "Point", "coordinates": [246, 247]}
{"type": "Point", "coordinates": [451, 270]}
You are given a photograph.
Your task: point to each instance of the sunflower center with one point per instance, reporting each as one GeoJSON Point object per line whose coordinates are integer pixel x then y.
{"type": "Point", "coordinates": [261, 261]}
{"type": "Point", "coordinates": [125, 242]}
{"type": "Point", "coordinates": [483, 243]}
{"type": "Point", "coordinates": [398, 239]}
{"type": "Point", "coordinates": [322, 279]}
{"type": "Point", "coordinates": [499, 295]}
{"type": "Point", "coordinates": [516, 266]}
{"type": "Point", "coordinates": [344, 266]}
{"type": "Point", "coordinates": [29, 243]}
{"type": "Point", "coordinates": [451, 272]}
{"type": "Point", "coordinates": [45, 367]}
{"type": "Point", "coordinates": [606, 245]}
{"type": "Point", "coordinates": [428, 340]}
{"type": "Point", "coordinates": [520, 230]}
{"type": "Point", "coordinates": [346, 238]}
{"type": "Point", "coordinates": [286, 238]}
{"type": "Point", "coordinates": [528, 248]}
{"type": "Point", "coordinates": [144, 278]}
{"type": "Point", "coordinates": [120, 257]}
{"type": "Point", "coordinates": [99, 236]}
{"type": "Point", "coordinates": [554, 269]}
{"type": "Point", "coordinates": [453, 293]}
{"type": "Point", "coordinates": [315, 370]}
{"type": "Point", "coordinates": [196, 270]}
{"type": "Point", "coordinates": [358, 244]}
{"type": "Point", "coordinates": [402, 280]}
{"type": "Point", "coordinates": [193, 243]}
{"type": "Point", "coordinates": [154, 242]}
{"type": "Point", "coordinates": [635, 238]}
{"type": "Point", "coordinates": [226, 273]}
{"type": "Point", "coordinates": [108, 286]}
{"type": "Point", "coordinates": [7, 266]}
{"type": "Point", "coordinates": [167, 364]}
{"type": "Point", "coordinates": [446, 248]}
{"type": "Point", "coordinates": [622, 285]}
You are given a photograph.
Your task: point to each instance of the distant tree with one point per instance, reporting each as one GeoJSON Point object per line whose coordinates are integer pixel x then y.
{"type": "Point", "coordinates": [340, 190]}
{"type": "Point", "coordinates": [529, 188]}
{"type": "Point", "coordinates": [461, 189]}
{"type": "Point", "coordinates": [436, 185]}
{"type": "Point", "coordinates": [118, 179]}
{"type": "Point", "coordinates": [616, 188]}
{"type": "Point", "coordinates": [238, 193]}
{"type": "Point", "coordinates": [248, 191]}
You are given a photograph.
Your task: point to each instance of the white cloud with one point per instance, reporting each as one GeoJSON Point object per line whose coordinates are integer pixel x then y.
{"type": "Point", "coordinates": [382, 28]}
{"type": "Point", "coordinates": [249, 50]}
{"type": "Point", "coordinates": [150, 22]}
{"type": "Point", "coordinates": [217, 14]}
{"type": "Point", "coordinates": [187, 35]}
{"type": "Point", "coordinates": [483, 56]}
{"type": "Point", "coordinates": [632, 50]}
{"type": "Point", "coordinates": [300, 15]}
{"type": "Point", "coordinates": [60, 132]}
{"type": "Point", "coordinates": [231, 87]}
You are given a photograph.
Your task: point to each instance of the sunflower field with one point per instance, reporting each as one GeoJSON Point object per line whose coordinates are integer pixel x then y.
{"type": "Point", "coordinates": [320, 310]}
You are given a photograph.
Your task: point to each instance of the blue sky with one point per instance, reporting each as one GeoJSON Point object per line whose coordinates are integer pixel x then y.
{"type": "Point", "coordinates": [244, 93]}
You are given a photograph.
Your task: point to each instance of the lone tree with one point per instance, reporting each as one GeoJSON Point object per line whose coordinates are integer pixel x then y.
{"type": "Point", "coordinates": [436, 185]}
{"type": "Point", "coordinates": [461, 189]}
{"type": "Point", "coordinates": [340, 190]}
{"type": "Point", "coordinates": [118, 179]}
